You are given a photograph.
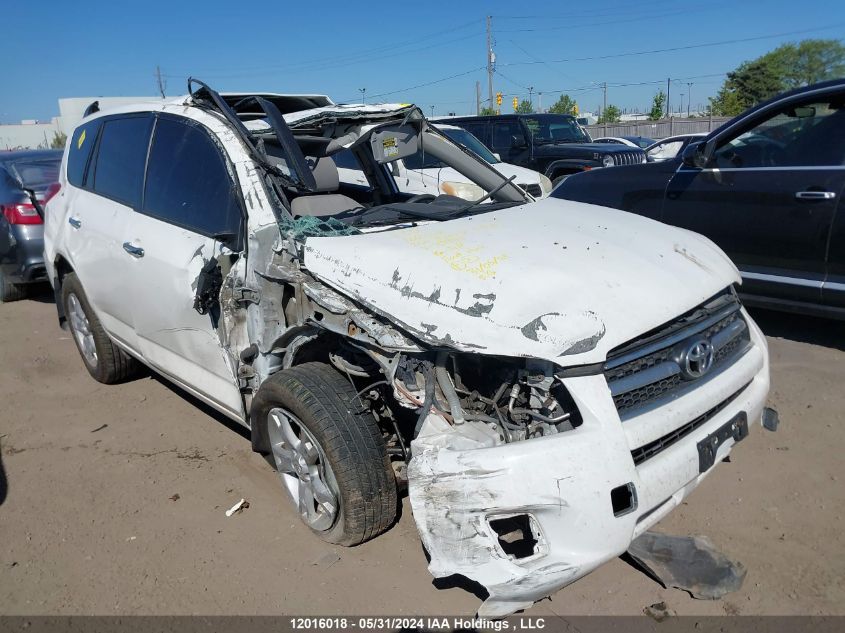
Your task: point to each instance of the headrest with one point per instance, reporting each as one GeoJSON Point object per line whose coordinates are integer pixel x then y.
{"type": "Point", "coordinates": [325, 173]}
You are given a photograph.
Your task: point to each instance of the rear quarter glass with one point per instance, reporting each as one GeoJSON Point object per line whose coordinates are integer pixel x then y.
{"type": "Point", "coordinates": [83, 140]}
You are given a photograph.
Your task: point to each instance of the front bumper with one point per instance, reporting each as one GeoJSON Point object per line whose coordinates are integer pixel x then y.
{"type": "Point", "coordinates": [563, 483]}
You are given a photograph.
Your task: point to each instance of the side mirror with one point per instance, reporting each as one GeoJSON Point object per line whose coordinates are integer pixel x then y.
{"type": "Point", "coordinates": [518, 142]}
{"type": "Point", "coordinates": [695, 155]}
{"type": "Point", "coordinates": [497, 156]}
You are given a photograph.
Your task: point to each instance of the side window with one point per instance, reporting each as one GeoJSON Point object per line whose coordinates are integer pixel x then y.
{"type": "Point", "coordinates": [81, 143]}
{"type": "Point", "coordinates": [805, 135]}
{"type": "Point", "coordinates": [665, 151]}
{"type": "Point", "coordinates": [503, 133]}
{"type": "Point", "coordinates": [188, 183]}
{"type": "Point", "coordinates": [477, 130]}
{"type": "Point", "coordinates": [119, 169]}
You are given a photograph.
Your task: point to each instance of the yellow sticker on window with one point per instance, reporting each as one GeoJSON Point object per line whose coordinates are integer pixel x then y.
{"type": "Point", "coordinates": [81, 140]}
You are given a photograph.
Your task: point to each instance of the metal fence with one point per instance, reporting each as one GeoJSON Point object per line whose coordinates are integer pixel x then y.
{"type": "Point", "coordinates": [657, 129]}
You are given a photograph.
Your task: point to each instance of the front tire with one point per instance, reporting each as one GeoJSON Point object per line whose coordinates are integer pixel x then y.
{"type": "Point", "coordinates": [104, 360]}
{"type": "Point", "coordinates": [329, 454]}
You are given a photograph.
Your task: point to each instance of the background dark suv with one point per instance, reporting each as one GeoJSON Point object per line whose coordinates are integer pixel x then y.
{"type": "Point", "coordinates": [553, 144]}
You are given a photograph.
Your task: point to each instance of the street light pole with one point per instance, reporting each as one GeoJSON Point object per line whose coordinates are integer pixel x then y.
{"type": "Point", "coordinates": [531, 96]}
{"type": "Point", "coordinates": [432, 111]}
{"type": "Point", "coordinates": [689, 97]}
{"type": "Point", "coordinates": [363, 92]}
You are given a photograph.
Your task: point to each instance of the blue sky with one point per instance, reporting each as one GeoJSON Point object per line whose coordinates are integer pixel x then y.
{"type": "Point", "coordinates": [95, 48]}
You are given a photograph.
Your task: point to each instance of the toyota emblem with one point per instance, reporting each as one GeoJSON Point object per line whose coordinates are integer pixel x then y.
{"type": "Point", "coordinates": [697, 359]}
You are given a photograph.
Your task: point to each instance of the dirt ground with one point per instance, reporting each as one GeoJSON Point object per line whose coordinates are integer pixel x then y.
{"type": "Point", "coordinates": [114, 501]}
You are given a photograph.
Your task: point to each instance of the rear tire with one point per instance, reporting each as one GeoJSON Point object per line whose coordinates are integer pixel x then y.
{"type": "Point", "coordinates": [9, 291]}
{"type": "Point", "coordinates": [104, 360]}
{"type": "Point", "coordinates": [313, 406]}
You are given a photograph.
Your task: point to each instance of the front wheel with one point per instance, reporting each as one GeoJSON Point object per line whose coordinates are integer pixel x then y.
{"type": "Point", "coordinates": [330, 455]}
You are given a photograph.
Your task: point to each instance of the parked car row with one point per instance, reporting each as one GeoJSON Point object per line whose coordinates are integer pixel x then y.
{"type": "Point", "coordinates": [22, 174]}
{"type": "Point", "coordinates": [503, 357]}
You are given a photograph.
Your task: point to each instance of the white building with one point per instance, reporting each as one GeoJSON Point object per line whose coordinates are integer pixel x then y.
{"type": "Point", "coordinates": [31, 134]}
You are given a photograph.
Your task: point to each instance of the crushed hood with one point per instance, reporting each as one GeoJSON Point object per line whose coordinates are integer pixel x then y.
{"type": "Point", "coordinates": [558, 280]}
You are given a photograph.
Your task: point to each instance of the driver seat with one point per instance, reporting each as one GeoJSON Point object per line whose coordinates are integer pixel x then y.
{"type": "Point", "coordinates": [322, 203]}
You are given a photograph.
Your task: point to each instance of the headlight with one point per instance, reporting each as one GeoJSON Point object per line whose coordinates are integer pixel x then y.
{"type": "Point", "coordinates": [465, 190]}
{"type": "Point", "coordinates": [545, 185]}
{"type": "Point", "coordinates": [607, 161]}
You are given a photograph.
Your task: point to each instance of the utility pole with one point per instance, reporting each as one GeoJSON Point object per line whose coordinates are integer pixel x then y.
{"type": "Point", "coordinates": [477, 98]}
{"type": "Point", "coordinates": [689, 97]}
{"type": "Point", "coordinates": [681, 107]}
{"type": "Point", "coordinates": [604, 108]}
{"type": "Point", "coordinates": [491, 58]}
{"type": "Point", "coordinates": [162, 83]}
{"type": "Point", "coordinates": [668, 82]}
{"type": "Point", "coordinates": [363, 92]}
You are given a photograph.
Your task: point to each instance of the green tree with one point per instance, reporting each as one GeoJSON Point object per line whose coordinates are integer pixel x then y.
{"type": "Point", "coordinates": [525, 107]}
{"type": "Point", "coordinates": [788, 66]}
{"type": "Point", "coordinates": [611, 114]}
{"type": "Point", "coordinates": [487, 111]}
{"type": "Point", "coordinates": [658, 105]}
{"type": "Point", "coordinates": [564, 105]}
{"type": "Point", "coordinates": [59, 140]}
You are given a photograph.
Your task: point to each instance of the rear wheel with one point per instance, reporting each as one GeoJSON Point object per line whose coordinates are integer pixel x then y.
{"type": "Point", "coordinates": [330, 455]}
{"type": "Point", "coordinates": [9, 291]}
{"type": "Point", "coordinates": [104, 360]}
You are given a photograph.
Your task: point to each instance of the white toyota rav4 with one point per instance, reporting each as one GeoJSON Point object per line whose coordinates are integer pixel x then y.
{"type": "Point", "coordinates": [549, 379]}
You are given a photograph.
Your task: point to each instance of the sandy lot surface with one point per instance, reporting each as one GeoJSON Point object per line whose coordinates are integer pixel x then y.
{"type": "Point", "coordinates": [114, 503]}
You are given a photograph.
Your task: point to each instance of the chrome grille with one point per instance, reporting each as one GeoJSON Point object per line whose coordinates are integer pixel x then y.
{"type": "Point", "coordinates": [629, 158]}
{"type": "Point", "coordinates": [648, 372]}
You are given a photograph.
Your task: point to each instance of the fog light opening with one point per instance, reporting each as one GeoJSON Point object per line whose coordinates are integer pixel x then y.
{"type": "Point", "coordinates": [516, 538]}
{"type": "Point", "coordinates": [623, 499]}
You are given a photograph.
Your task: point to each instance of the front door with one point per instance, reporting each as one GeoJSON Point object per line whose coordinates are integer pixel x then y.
{"type": "Point", "coordinates": [189, 211]}
{"type": "Point", "coordinates": [768, 195]}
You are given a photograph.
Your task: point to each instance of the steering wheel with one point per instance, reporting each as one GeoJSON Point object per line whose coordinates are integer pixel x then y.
{"type": "Point", "coordinates": [421, 197]}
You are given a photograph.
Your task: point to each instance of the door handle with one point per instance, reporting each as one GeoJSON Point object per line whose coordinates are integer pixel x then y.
{"type": "Point", "coordinates": [135, 251]}
{"type": "Point", "coordinates": [814, 195]}
{"type": "Point", "coordinates": [74, 222]}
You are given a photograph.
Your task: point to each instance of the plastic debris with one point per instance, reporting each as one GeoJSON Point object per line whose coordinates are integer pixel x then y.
{"type": "Point", "coordinates": [690, 563]}
{"type": "Point", "coordinates": [238, 507]}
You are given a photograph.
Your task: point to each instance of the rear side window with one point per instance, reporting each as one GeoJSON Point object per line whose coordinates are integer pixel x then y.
{"type": "Point", "coordinates": [119, 170]}
{"type": "Point", "coordinates": [83, 140]}
{"type": "Point", "coordinates": [188, 183]}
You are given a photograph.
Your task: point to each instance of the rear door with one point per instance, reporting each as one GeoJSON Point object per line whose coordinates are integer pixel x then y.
{"type": "Point", "coordinates": [107, 191]}
{"type": "Point", "coordinates": [190, 210]}
{"type": "Point", "coordinates": [769, 195]}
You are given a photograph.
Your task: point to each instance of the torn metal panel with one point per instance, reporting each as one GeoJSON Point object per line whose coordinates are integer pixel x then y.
{"type": "Point", "coordinates": [690, 563]}
{"type": "Point", "coordinates": [546, 280]}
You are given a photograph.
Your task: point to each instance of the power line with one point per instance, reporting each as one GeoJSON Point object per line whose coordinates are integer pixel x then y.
{"type": "Point", "coordinates": [676, 48]}
{"type": "Point", "coordinates": [428, 83]}
{"type": "Point", "coordinates": [349, 58]}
